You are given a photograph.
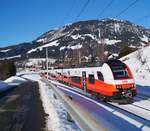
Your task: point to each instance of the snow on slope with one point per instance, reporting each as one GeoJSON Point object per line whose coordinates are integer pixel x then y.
{"type": "Point", "coordinates": [139, 62]}
{"type": "Point", "coordinates": [82, 36]}
{"type": "Point", "coordinates": [16, 56]}
{"type": "Point", "coordinates": [54, 43]}
{"type": "Point", "coordinates": [111, 42]}
{"type": "Point", "coordinates": [78, 46]}
{"type": "Point", "coordinates": [5, 50]}
{"type": "Point", "coordinates": [144, 38]}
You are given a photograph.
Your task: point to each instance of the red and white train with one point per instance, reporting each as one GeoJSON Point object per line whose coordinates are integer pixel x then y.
{"type": "Point", "coordinates": [112, 81]}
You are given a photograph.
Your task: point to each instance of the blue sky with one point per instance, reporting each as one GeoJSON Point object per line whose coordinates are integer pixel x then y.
{"type": "Point", "coordinates": [25, 20]}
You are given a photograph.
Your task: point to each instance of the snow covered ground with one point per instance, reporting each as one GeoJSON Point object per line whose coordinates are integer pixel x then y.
{"type": "Point", "coordinates": [57, 119]}
{"type": "Point", "coordinates": [139, 63]}
{"type": "Point", "coordinates": [3, 86]}
{"type": "Point", "coordinates": [10, 83]}
{"type": "Point", "coordinates": [15, 80]}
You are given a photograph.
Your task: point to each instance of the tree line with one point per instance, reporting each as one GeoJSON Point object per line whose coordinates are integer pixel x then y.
{"type": "Point", "coordinates": [7, 69]}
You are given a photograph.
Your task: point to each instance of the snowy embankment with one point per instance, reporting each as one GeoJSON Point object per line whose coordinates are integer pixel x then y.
{"type": "Point", "coordinates": [3, 86]}
{"type": "Point", "coordinates": [15, 80]}
{"type": "Point", "coordinates": [57, 115]}
{"type": "Point", "coordinates": [139, 63]}
{"type": "Point", "coordinates": [10, 83]}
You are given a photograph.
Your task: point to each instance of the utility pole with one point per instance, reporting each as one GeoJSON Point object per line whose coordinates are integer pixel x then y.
{"type": "Point", "coordinates": [101, 46]}
{"type": "Point", "coordinates": [47, 61]}
{"type": "Point", "coordinates": [99, 34]}
{"type": "Point", "coordinates": [79, 52]}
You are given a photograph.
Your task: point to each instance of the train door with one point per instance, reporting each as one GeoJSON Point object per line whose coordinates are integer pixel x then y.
{"type": "Point", "coordinates": [84, 80]}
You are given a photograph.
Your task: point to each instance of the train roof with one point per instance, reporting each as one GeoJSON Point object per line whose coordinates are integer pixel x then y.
{"type": "Point", "coordinates": [113, 62]}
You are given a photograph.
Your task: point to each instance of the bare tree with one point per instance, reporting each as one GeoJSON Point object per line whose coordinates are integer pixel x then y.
{"type": "Point", "coordinates": [143, 60]}
{"type": "Point", "coordinates": [140, 57]}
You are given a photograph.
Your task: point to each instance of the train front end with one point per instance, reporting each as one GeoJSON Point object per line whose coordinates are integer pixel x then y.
{"type": "Point", "coordinates": [122, 79]}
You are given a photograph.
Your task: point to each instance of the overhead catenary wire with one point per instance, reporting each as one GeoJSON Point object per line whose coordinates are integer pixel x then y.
{"type": "Point", "coordinates": [143, 17]}
{"type": "Point", "coordinates": [68, 12]}
{"type": "Point", "coordinates": [105, 8]}
{"type": "Point", "coordinates": [124, 10]}
{"type": "Point", "coordinates": [82, 10]}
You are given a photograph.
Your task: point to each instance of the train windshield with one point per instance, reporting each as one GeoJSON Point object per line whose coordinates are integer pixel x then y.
{"type": "Point", "coordinates": [120, 72]}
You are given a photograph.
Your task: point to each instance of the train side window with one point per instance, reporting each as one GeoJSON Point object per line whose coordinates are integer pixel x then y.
{"type": "Point", "coordinates": [91, 79]}
{"type": "Point", "coordinates": [59, 73]}
{"type": "Point", "coordinates": [100, 76]}
{"type": "Point", "coordinates": [76, 79]}
{"type": "Point", "coordinates": [68, 72]}
{"type": "Point", "coordinates": [65, 77]}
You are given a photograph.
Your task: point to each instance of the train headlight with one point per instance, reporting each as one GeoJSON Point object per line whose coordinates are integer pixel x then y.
{"type": "Point", "coordinates": [118, 86]}
{"type": "Point", "coordinates": [132, 85]}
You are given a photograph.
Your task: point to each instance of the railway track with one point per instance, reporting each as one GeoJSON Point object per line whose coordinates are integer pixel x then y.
{"type": "Point", "coordinates": [139, 108]}
{"type": "Point", "coordinates": [127, 117]}
{"type": "Point", "coordinates": [143, 97]}
{"type": "Point", "coordinates": [133, 109]}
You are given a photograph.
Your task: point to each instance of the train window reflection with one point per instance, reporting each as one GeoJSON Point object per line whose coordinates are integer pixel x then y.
{"type": "Point", "coordinates": [91, 79]}
{"type": "Point", "coordinates": [100, 76]}
{"type": "Point", "coordinates": [120, 73]}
